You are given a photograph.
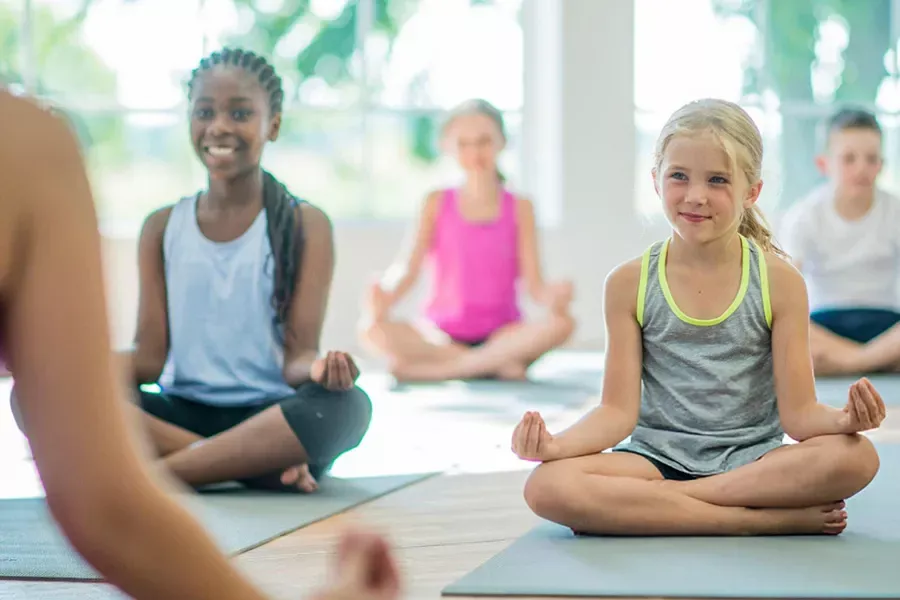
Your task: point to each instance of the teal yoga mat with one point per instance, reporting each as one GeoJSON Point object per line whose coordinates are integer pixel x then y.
{"type": "Point", "coordinates": [32, 547]}
{"type": "Point", "coordinates": [863, 562]}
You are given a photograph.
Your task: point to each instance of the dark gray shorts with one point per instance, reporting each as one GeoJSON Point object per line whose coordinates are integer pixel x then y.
{"type": "Point", "coordinates": [327, 423]}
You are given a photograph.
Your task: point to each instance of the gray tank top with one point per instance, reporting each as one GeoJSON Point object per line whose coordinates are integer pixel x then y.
{"type": "Point", "coordinates": [224, 348]}
{"type": "Point", "coordinates": [708, 395]}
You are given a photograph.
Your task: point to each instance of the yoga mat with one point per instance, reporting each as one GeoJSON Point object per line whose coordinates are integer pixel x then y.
{"type": "Point", "coordinates": [32, 546]}
{"type": "Point", "coordinates": [862, 562]}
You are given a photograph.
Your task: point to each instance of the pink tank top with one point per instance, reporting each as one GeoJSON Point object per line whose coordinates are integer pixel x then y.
{"type": "Point", "coordinates": [475, 269]}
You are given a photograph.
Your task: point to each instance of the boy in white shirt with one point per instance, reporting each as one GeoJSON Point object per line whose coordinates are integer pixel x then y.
{"type": "Point", "coordinates": [843, 237]}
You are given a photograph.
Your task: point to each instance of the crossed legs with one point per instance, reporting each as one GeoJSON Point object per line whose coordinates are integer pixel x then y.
{"type": "Point", "coordinates": [417, 355]}
{"type": "Point", "coordinates": [796, 489]}
{"type": "Point", "coordinates": [262, 451]}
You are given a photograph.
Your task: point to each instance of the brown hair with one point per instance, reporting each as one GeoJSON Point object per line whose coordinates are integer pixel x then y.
{"type": "Point", "coordinates": [477, 106]}
{"type": "Point", "coordinates": [742, 142]}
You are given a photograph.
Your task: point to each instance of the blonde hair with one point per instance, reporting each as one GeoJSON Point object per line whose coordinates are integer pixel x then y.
{"type": "Point", "coordinates": [742, 142]}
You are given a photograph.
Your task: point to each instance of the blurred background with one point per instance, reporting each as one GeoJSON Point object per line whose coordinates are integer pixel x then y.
{"type": "Point", "coordinates": [585, 86]}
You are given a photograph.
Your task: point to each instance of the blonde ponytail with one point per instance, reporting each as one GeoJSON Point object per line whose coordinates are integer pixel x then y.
{"type": "Point", "coordinates": [755, 227]}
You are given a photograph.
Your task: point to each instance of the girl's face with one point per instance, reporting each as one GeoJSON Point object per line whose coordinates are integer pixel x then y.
{"type": "Point", "coordinates": [230, 121]}
{"type": "Point", "coordinates": [702, 198]}
{"type": "Point", "coordinates": [475, 141]}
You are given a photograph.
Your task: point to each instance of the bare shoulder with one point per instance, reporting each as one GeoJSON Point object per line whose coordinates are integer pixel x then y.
{"type": "Point", "coordinates": [430, 206]}
{"type": "Point", "coordinates": [155, 223]}
{"type": "Point", "coordinates": [781, 270]}
{"type": "Point", "coordinates": [524, 203]}
{"type": "Point", "coordinates": [625, 275]}
{"type": "Point", "coordinates": [314, 218]}
{"type": "Point", "coordinates": [786, 284]}
{"type": "Point", "coordinates": [433, 199]}
{"type": "Point", "coordinates": [622, 285]}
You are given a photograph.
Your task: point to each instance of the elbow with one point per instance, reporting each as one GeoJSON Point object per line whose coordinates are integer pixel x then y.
{"type": "Point", "coordinates": [796, 427]}
{"type": "Point", "coordinates": [147, 370]}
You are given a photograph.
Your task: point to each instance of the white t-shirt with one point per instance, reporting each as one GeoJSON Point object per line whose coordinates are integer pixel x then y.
{"type": "Point", "coordinates": [846, 264]}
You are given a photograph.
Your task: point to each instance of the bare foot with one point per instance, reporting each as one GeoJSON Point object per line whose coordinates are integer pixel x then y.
{"type": "Point", "coordinates": [512, 372]}
{"type": "Point", "coordinates": [300, 478]}
{"type": "Point", "coordinates": [828, 519]}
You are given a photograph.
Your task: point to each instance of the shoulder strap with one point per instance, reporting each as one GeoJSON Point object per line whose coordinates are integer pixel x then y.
{"type": "Point", "coordinates": [764, 282]}
{"type": "Point", "coordinates": [642, 284]}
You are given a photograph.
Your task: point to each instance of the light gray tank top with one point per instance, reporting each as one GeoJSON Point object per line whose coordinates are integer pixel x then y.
{"type": "Point", "coordinates": [224, 348]}
{"type": "Point", "coordinates": [708, 396]}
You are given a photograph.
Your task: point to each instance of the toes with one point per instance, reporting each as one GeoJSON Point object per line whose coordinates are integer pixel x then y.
{"type": "Point", "coordinates": [290, 476]}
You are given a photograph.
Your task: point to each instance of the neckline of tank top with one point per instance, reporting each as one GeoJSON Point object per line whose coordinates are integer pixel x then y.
{"type": "Point", "coordinates": [195, 224]}
{"type": "Point", "coordinates": [505, 196]}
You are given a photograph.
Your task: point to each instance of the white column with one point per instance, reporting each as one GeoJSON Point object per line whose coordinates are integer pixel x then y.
{"type": "Point", "coordinates": [579, 143]}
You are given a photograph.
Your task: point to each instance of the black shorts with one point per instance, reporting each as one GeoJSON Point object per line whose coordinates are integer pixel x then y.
{"type": "Point", "coordinates": [327, 423]}
{"type": "Point", "coordinates": [470, 343]}
{"type": "Point", "coordinates": [667, 471]}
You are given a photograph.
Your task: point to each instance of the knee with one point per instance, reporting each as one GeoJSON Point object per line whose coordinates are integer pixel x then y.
{"type": "Point", "coordinates": [854, 460]}
{"type": "Point", "coordinates": [563, 327]}
{"type": "Point", "coordinates": [542, 494]}
{"type": "Point", "coordinates": [548, 493]}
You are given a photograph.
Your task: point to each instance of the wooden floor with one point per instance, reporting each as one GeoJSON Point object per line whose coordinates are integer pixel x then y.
{"type": "Point", "coordinates": [441, 528]}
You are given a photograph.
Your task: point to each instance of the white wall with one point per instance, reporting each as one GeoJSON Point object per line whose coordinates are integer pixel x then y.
{"type": "Point", "coordinates": [580, 153]}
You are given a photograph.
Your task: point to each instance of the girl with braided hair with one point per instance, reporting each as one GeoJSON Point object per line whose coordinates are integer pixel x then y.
{"type": "Point", "coordinates": [234, 285]}
{"type": "Point", "coordinates": [110, 506]}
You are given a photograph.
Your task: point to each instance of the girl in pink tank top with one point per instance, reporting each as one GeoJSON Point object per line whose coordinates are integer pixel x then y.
{"type": "Point", "coordinates": [479, 242]}
{"type": "Point", "coordinates": [475, 269]}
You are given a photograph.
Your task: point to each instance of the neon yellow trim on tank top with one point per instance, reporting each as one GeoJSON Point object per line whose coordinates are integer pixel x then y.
{"type": "Point", "coordinates": [739, 297]}
{"type": "Point", "coordinates": [764, 283]}
{"type": "Point", "coordinates": [642, 286]}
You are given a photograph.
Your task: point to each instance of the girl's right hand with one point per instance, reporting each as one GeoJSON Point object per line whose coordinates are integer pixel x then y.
{"type": "Point", "coordinates": [365, 570]}
{"type": "Point", "coordinates": [532, 441]}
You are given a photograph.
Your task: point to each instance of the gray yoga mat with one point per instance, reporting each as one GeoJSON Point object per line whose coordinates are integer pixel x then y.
{"type": "Point", "coordinates": [863, 562]}
{"type": "Point", "coordinates": [32, 547]}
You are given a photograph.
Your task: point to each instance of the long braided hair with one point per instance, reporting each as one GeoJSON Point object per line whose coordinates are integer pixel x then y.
{"type": "Point", "coordinates": [285, 235]}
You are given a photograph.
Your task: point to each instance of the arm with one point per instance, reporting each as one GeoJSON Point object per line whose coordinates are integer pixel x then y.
{"type": "Point", "coordinates": [616, 416]}
{"type": "Point", "coordinates": [529, 256]}
{"type": "Point", "coordinates": [144, 362]}
{"type": "Point", "coordinates": [802, 417]}
{"type": "Point", "coordinates": [310, 301]}
{"type": "Point", "coordinates": [97, 486]}
{"type": "Point", "coordinates": [405, 272]}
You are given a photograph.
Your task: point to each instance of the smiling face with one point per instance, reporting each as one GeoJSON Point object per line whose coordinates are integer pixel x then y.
{"type": "Point", "coordinates": [704, 196]}
{"type": "Point", "coordinates": [231, 120]}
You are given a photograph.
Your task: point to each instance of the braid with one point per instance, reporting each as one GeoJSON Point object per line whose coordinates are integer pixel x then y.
{"type": "Point", "coordinates": [285, 236]}
{"type": "Point", "coordinates": [286, 240]}
{"type": "Point", "coordinates": [247, 60]}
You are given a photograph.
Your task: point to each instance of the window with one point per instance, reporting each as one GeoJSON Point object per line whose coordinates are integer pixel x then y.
{"type": "Point", "coordinates": [366, 85]}
{"type": "Point", "coordinates": [788, 63]}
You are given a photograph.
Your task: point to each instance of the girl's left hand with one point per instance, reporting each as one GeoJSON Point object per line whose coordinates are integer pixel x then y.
{"type": "Point", "coordinates": [865, 408]}
{"type": "Point", "coordinates": [336, 371]}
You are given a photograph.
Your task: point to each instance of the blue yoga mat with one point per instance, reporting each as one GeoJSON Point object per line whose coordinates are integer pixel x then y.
{"type": "Point", "coordinates": [862, 562]}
